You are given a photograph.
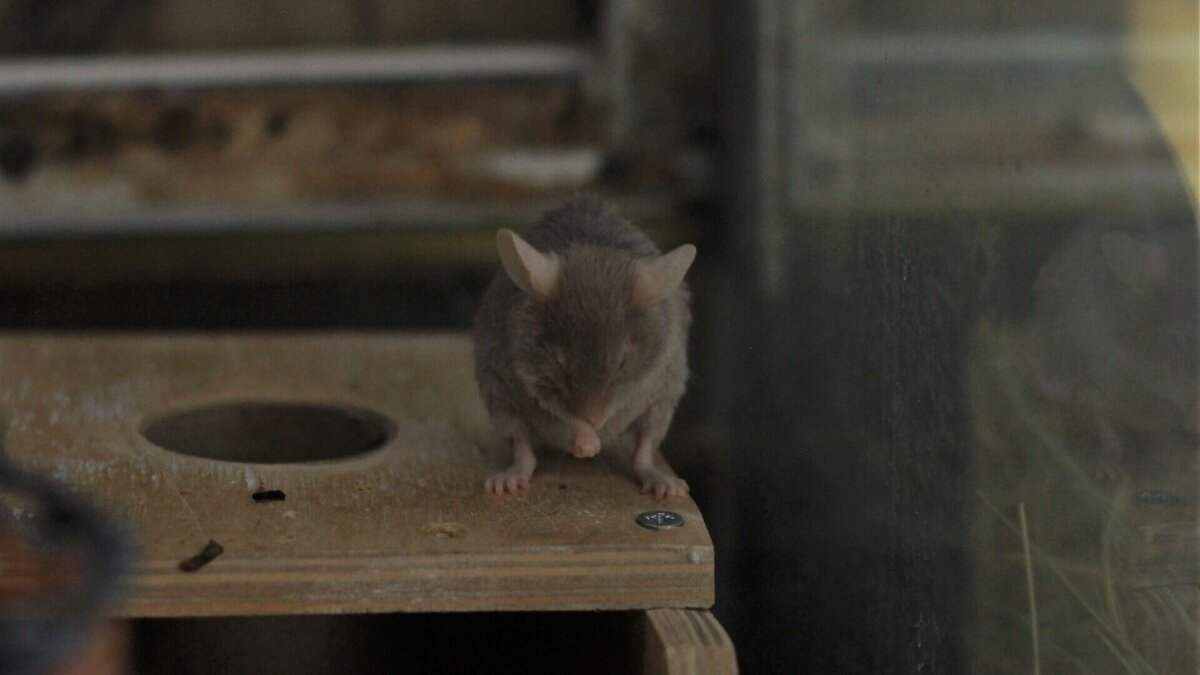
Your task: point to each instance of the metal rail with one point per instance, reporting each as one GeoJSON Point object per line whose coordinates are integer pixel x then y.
{"type": "Point", "coordinates": [362, 66]}
{"type": "Point", "coordinates": [1016, 48]}
{"type": "Point", "coordinates": [412, 214]}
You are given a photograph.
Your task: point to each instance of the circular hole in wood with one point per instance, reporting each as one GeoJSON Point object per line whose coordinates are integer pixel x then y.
{"type": "Point", "coordinates": [271, 433]}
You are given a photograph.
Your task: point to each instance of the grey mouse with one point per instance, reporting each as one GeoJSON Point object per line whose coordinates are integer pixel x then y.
{"type": "Point", "coordinates": [1114, 334]}
{"type": "Point", "coordinates": [581, 341]}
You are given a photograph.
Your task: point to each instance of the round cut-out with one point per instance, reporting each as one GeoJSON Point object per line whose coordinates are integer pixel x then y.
{"type": "Point", "coordinates": [271, 432]}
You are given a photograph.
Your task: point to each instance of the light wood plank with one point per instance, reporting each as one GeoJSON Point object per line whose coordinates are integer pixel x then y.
{"type": "Point", "coordinates": [403, 528]}
{"type": "Point", "coordinates": [686, 642]}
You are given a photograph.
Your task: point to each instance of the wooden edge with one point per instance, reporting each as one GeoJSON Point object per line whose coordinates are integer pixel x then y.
{"type": "Point", "coordinates": [685, 642]}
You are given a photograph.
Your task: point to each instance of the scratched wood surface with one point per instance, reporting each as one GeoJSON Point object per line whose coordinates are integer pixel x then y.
{"type": "Point", "coordinates": [404, 527]}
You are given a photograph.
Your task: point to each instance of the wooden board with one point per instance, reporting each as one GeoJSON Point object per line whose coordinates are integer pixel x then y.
{"type": "Point", "coordinates": [405, 527]}
{"type": "Point", "coordinates": [232, 152]}
{"type": "Point", "coordinates": [686, 642]}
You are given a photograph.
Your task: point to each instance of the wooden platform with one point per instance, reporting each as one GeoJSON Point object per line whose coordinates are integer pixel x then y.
{"type": "Point", "coordinates": [402, 528]}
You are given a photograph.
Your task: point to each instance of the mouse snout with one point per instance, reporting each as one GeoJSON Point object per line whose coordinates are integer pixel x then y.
{"type": "Point", "coordinates": [592, 411]}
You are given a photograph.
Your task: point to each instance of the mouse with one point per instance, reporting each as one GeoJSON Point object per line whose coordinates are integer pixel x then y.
{"type": "Point", "coordinates": [581, 342]}
{"type": "Point", "coordinates": [1113, 333]}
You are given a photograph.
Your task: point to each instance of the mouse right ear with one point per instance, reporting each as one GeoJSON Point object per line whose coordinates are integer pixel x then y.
{"type": "Point", "coordinates": [655, 279]}
{"type": "Point", "coordinates": [530, 269]}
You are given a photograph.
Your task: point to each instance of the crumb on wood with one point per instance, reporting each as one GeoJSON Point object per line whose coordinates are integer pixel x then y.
{"type": "Point", "coordinates": [206, 555]}
{"type": "Point", "coordinates": [269, 496]}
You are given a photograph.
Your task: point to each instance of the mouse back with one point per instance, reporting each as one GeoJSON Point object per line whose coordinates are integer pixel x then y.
{"type": "Point", "coordinates": [590, 221]}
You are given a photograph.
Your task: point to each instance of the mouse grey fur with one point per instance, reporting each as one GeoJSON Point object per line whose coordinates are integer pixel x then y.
{"type": "Point", "coordinates": [581, 340]}
{"type": "Point", "coordinates": [1114, 335]}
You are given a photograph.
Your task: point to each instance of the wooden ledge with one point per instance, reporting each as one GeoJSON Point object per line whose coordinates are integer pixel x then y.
{"type": "Point", "coordinates": [686, 642]}
{"type": "Point", "coordinates": [405, 527]}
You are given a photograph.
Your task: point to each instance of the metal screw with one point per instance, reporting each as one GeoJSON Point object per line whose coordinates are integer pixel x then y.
{"type": "Point", "coordinates": [659, 520]}
{"type": "Point", "coordinates": [1155, 498]}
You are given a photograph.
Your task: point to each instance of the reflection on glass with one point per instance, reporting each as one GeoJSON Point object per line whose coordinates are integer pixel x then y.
{"type": "Point", "coordinates": [1087, 417]}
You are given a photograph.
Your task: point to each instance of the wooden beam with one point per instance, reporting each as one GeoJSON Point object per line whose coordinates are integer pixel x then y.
{"type": "Point", "coordinates": [686, 642]}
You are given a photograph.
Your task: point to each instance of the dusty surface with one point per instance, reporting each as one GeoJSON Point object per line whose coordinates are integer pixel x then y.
{"type": "Point", "coordinates": [405, 527]}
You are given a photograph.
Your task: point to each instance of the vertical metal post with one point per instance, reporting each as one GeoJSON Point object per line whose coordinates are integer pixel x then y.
{"type": "Point", "coordinates": [769, 144]}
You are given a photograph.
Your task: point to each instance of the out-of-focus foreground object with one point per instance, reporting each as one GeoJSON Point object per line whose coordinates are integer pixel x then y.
{"type": "Point", "coordinates": [61, 564]}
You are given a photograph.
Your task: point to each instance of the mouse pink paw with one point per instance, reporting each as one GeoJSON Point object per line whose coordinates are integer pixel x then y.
{"type": "Point", "coordinates": [586, 444]}
{"type": "Point", "coordinates": [508, 483]}
{"type": "Point", "coordinates": [662, 486]}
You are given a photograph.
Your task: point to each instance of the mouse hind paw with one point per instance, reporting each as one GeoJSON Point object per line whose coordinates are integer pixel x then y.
{"type": "Point", "coordinates": [661, 485]}
{"type": "Point", "coordinates": [508, 483]}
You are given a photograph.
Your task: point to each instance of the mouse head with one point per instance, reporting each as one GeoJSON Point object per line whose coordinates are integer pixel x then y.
{"type": "Point", "coordinates": [594, 322]}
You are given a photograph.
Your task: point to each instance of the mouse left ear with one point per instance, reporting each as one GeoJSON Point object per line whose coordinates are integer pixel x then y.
{"type": "Point", "coordinates": [531, 270]}
{"type": "Point", "coordinates": [654, 280]}
{"type": "Point", "coordinates": [1138, 263]}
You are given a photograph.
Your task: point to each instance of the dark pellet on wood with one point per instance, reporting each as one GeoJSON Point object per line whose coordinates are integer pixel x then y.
{"type": "Point", "coordinates": [177, 128]}
{"type": "Point", "coordinates": [269, 496]}
{"type": "Point", "coordinates": [209, 553]}
{"type": "Point", "coordinates": [277, 124]}
{"type": "Point", "coordinates": [18, 157]}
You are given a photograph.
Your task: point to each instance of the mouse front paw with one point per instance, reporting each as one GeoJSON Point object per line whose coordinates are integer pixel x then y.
{"type": "Point", "coordinates": [586, 444]}
{"type": "Point", "coordinates": [508, 483]}
{"type": "Point", "coordinates": [661, 485]}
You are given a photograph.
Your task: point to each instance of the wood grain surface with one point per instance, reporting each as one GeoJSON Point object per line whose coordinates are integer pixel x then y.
{"type": "Point", "coordinates": [404, 527]}
{"type": "Point", "coordinates": [686, 642]}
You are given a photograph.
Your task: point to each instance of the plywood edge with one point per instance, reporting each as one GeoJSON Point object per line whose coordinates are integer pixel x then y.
{"type": "Point", "coordinates": [617, 579]}
{"type": "Point", "coordinates": [686, 642]}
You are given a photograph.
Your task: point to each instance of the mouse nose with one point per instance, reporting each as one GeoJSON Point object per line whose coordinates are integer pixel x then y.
{"type": "Point", "coordinates": [592, 412]}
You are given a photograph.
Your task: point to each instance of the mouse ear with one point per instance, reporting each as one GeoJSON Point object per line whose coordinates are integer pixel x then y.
{"type": "Point", "coordinates": [655, 279]}
{"type": "Point", "coordinates": [530, 269]}
{"type": "Point", "coordinates": [1138, 263]}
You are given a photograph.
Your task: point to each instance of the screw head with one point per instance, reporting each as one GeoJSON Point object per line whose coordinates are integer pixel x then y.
{"type": "Point", "coordinates": [1155, 498]}
{"type": "Point", "coordinates": [659, 520]}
